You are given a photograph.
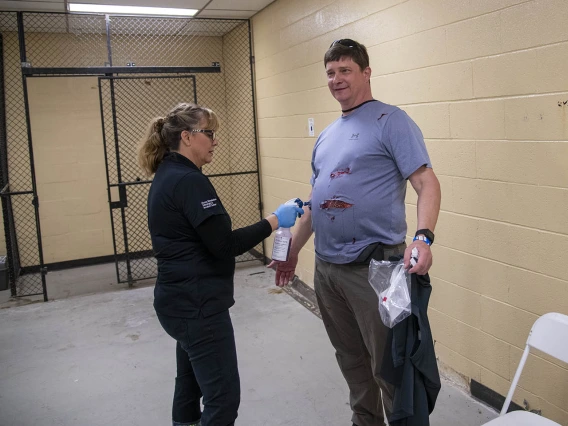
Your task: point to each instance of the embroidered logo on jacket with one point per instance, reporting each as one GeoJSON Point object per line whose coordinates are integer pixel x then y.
{"type": "Point", "coordinates": [209, 203]}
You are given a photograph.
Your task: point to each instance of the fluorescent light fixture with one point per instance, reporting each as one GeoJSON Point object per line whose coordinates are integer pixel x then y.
{"type": "Point", "coordinates": [130, 10]}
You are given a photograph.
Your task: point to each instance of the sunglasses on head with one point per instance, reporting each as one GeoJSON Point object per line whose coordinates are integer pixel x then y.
{"type": "Point", "coordinates": [347, 42]}
{"type": "Point", "coordinates": [210, 133]}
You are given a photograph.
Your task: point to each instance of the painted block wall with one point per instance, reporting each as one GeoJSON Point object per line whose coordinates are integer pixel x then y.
{"type": "Point", "coordinates": [486, 82]}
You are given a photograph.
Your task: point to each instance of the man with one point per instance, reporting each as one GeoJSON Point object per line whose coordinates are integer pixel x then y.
{"type": "Point", "coordinates": [360, 166]}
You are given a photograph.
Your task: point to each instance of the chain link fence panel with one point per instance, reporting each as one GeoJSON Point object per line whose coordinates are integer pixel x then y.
{"type": "Point", "coordinates": [168, 41]}
{"type": "Point", "coordinates": [129, 104]}
{"type": "Point", "coordinates": [28, 281]}
{"type": "Point", "coordinates": [75, 41]}
{"type": "Point", "coordinates": [65, 40]}
{"type": "Point", "coordinates": [19, 174]}
{"type": "Point", "coordinates": [16, 189]}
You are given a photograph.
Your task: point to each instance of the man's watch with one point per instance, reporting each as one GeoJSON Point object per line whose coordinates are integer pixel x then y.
{"type": "Point", "coordinates": [424, 233]}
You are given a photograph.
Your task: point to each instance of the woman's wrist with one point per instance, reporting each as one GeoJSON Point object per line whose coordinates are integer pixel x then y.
{"type": "Point", "coordinates": [273, 220]}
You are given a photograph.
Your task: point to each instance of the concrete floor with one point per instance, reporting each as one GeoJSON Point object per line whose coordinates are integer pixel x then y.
{"type": "Point", "coordinates": [103, 359]}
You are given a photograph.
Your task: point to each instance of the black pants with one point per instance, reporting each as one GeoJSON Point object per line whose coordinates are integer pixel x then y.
{"type": "Point", "coordinates": [206, 367]}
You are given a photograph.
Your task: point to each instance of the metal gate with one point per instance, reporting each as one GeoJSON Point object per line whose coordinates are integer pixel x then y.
{"type": "Point", "coordinates": [213, 55]}
{"type": "Point", "coordinates": [18, 189]}
{"type": "Point", "coordinates": [128, 104]}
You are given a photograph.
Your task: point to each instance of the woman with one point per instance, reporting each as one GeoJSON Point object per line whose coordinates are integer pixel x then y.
{"type": "Point", "coordinates": [196, 248]}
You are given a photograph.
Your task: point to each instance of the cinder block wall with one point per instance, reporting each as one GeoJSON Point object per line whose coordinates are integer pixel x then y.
{"type": "Point", "coordinates": [486, 81]}
{"type": "Point", "coordinates": [70, 168]}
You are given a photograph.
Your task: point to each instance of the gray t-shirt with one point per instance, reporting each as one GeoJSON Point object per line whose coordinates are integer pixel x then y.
{"type": "Point", "coordinates": [360, 165]}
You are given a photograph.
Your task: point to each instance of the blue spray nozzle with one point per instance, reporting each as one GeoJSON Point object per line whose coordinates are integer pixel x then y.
{"type": "Point", "coordinates": [296, 201]}
{"type": "Point", "coordinates": [300, 203]}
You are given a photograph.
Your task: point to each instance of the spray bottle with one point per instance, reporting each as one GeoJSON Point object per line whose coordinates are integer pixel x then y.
{"type": "Point", "coordinates": [283, 238]}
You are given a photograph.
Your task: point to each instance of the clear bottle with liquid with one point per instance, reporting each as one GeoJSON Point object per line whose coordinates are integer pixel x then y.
{"type": "Point", "coordinates": [283, 238]}
{"type": "Point", "coordinates": [282, 244]}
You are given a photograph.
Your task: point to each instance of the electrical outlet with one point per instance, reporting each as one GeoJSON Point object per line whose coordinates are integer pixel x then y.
{"type": "Point", "coordinates": [311, 126]}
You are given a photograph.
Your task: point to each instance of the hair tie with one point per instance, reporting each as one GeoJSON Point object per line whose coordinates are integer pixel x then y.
{"type": "Point", "coordinates": [159, 125]}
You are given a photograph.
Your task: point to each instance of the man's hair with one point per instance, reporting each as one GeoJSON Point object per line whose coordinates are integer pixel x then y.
{"type": "Point", "coordinates": [347, 48]}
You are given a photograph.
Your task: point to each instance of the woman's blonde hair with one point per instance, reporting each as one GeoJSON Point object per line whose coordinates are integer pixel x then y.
{"type": "Point", "coordinates": [164, 133]}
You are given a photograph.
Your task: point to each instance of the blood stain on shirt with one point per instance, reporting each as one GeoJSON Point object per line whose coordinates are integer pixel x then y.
{"type": "Point", "coordinates": [335, 204]}
{"type": "Point", "coordinates": [340, 172]}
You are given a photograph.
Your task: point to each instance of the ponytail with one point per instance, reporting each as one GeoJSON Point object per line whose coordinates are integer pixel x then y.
{"type": "Point", "coordinates": [153, 148]}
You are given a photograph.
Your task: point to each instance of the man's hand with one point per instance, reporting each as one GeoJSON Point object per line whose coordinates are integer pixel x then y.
{"type": "Point", "coordinates": [285, 271]}
{"type": "Point", "coordinates": [424, 258]}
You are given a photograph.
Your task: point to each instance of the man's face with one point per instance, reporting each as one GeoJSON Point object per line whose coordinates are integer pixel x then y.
{"type": "Point", "coordinates": [347, 82]}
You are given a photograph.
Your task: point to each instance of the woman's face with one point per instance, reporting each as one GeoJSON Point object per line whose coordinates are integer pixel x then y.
{"type": "Point", "coordinates": [199, 145]}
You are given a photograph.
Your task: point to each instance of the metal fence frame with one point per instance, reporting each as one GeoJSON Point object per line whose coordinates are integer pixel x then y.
{"type": "Point", "coordinates": [112, 138]}
{"type": "Point", "coordinates": [28, 279]}
{"type": "Point", "coordinates": [131, 27]}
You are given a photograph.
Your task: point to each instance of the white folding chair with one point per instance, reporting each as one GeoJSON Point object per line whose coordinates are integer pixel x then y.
{"type": "Point", "coordinates": [548, 334]}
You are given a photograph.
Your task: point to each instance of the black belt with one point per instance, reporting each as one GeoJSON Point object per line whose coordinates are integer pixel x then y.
{"type": "Point", "coordinates": [375, 251]}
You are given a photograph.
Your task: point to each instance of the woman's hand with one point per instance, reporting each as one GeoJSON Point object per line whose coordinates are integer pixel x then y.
{"type": "Point", "coordinates": [287, 214]}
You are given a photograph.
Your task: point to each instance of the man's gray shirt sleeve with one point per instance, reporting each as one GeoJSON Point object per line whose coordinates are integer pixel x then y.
{"type": "Point", "coordinates": [404, 141]}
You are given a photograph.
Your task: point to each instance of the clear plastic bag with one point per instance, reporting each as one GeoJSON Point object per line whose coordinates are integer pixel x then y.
{"type": "Point", "coordinates": [391, 282]}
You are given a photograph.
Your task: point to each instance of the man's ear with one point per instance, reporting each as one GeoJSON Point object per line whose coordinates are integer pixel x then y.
{"type": "Point", "coordinates": [367, 73]}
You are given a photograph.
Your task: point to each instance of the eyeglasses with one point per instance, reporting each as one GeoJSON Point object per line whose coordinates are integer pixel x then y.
{"type": "Point", "coordinates": [210, 133]}
{"type": "Point", "coordinates": [347, 42]}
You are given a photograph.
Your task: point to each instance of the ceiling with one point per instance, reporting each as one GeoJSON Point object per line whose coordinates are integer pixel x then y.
{"type": "Point", "coordinates": [240, 9]}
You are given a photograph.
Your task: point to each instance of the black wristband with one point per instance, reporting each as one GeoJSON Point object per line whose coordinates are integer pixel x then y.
{"type": "Point", "coordinates": [427, 233]}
